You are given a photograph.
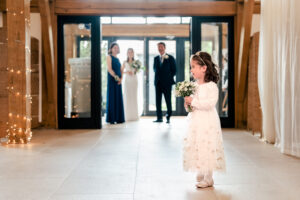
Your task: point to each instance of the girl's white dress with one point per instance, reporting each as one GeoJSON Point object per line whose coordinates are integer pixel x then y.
{"type": "Point", "coordinates": [130, 87]}
{"type": "Point", "coordinates": [203, 144]}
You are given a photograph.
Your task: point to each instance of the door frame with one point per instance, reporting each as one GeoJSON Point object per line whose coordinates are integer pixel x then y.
{"type": "Point", "coordinates": [195, 32]}
{"type": "Point", "coordinates": [94, 122]}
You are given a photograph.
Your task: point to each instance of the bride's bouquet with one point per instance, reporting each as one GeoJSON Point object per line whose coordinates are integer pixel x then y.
{"type": "Point", "coordinates": [184, 89]}
{"type": "Point", "coordinates": [136, 65]}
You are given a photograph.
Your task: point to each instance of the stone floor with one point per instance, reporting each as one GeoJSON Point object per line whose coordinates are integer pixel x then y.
{"type": "Point", "coordinates": [141, 161]}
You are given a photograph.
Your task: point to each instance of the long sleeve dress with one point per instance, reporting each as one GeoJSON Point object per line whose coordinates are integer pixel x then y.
{"type": "Point", "coordinates": [203, 144]}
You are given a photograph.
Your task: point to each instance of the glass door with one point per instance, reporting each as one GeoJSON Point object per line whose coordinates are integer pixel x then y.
{"type": "Point", "coordinates": [152, 51]}
{"type": "Point", "coordinates": [137, 44]}
{"type": "Point", "coordinates": [79, 86]}
{"type": "Point", "coordinates": [215, 36]}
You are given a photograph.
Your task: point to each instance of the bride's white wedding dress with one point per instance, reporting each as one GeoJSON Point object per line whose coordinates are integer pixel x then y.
{"type": "Point", "coordinates": [130, 89]}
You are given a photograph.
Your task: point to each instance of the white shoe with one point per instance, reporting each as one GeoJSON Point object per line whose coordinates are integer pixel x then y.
{"type": "Point", "coordinates": [205, 184]}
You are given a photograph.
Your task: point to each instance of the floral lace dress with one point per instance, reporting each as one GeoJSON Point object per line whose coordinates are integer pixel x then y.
{"type": "Point", "coordinates": [203, 144]}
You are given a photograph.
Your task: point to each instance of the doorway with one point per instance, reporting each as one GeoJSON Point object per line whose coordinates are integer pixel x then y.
{"type": "Point", "coordinates": [211, 34]}
{"type": "Point", "coordinates": [78, 72]}
{"type": "Point", "coordinates": [146, 49]}
{"type": "Point", "coordinates": [215, 36]}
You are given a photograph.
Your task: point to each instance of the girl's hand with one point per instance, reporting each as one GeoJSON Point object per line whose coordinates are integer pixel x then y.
{"type": "Point", "coordinates": [188, 100]}
{"type": "Point", "coordinates": [130, 73]}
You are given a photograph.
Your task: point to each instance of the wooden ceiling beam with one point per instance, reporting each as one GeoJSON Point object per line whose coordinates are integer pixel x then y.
{"type": "Point", "coordinates": [186, 8]}
{"type": "Point", "coordinates": [150, 30]}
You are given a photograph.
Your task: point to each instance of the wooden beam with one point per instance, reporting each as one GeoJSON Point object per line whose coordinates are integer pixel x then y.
{"type": "Point", "coordinates": [150, 30]}
{"type": "Point", "coordinates": [54, 32]}
{"type": "Point", "coordinates": [34, 6]}
{"type": "Point", "coordinates": [182, 8]}
{"type": "Point", "coordinates": [244, 47]}
{"type": "Point", "coordinates": [257, 7]}
{"type": "Point", "coordinates": [243, 54]}
{"type": "Point", "coordinates": [3, 73]}
{"type": "Point", "coordinates": [48, 53]}
{"type": "Point", "coordinates": [2, 5]}
{"type": "Point", "coordinates": [18, 65]}
{"type": "Point", "coordinates": [237, 26]}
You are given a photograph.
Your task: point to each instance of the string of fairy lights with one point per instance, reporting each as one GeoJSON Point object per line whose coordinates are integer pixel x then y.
{"type": "Point", "coordinates": [19, 72]}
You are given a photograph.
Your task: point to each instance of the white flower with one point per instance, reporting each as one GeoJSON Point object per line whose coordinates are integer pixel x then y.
{"type": "Point", "coordinates": [166, 56]}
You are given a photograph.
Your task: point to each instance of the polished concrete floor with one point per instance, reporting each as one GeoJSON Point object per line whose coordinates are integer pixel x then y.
{"type": "Point", "coordinates": [141, 161]}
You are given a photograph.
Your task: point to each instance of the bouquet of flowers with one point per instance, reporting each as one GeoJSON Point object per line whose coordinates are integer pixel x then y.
{"type": "Point", "coordinates": [184, 89]}
{"type": "Point", "coordinates": [136, 65]}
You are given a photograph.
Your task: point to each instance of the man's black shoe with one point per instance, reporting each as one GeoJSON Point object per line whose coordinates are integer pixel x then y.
{"type": "Point", "coordinates": [168, 121]}
{"type": "Point", "coordinates": [158, 120]}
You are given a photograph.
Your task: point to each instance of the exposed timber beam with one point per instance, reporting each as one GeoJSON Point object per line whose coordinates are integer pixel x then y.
{"type": "Point", "coordinates": [186, 8]}
{"type": "Point", "coordinates": [48, 53]}
{"type": "Point", "coordinates": [244, 48]}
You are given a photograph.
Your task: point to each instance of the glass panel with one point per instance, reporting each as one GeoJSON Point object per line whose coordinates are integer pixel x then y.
{"type": "Point", "coordinates": [128, 20]}
{"type": "Point", "coordinates": [105, 20]}
{"type": "Point", "coordinates": [163, 20]}
{"type": "Point", "coordinates": [187, 74]}
{"type": "Point", "coordinates": [186, 20]}
{"type": "Point", "coordinates": [77, 52]}
{"type": "Point", "coordinates": [85, 49]}
{"type": "Point", "coordinates": [138, 48]}
{"type": "Point", "coordinates": [214, 40]}
{"type": "Point", "coordinates": [104, 52]}
{"type": "Point", "coordinates": [170, 49]}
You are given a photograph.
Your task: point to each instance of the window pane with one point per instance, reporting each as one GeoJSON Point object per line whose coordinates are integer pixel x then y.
{"type": "Point", "coordinates": [105, 20]}
{"type": "Point", "coordinates": [215, 42]}
{"type": "Point", "coordinates": [77, 52]}
{"type": "Point", "coordinates": [104, 52]}
{"type": "Point", "coordinates": [163, 20]}
{"type": "Point", "coordinates": [186, 20]}
{"type": "Point", "coordinates": [128, 20]}
{"type": "Point", "coordinates": [138, 48]}
{"type": "Point", "coordinates": [187, 73]}
{"type": "Point", "coordinates": [170, 49]}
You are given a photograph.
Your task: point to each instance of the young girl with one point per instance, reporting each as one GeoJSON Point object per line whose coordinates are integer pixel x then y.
{"type": "Point", "coordinates": [203, 145]}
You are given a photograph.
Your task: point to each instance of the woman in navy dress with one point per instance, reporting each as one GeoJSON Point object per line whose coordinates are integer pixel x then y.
{"type": "Point", "coordinates": [114, 103]}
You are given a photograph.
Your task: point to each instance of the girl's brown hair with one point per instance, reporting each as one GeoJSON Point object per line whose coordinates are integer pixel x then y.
{"type": "Point", "coordinates": [112, 46]}
{"type": "Point", "coordinates": [203, 58]}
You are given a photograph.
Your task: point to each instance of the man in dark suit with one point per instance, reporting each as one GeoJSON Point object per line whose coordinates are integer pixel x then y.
{"type": "Point", "coordinates": [165, 70]}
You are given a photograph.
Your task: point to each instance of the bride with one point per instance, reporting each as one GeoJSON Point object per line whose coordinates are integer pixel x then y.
{"type": "Point", "coordinates": [130, 88]}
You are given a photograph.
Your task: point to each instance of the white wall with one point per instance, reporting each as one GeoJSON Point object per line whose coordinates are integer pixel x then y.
{"type": "Point", "coordinates": [36, 31]}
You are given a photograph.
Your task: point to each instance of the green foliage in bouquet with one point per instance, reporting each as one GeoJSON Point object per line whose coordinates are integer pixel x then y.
{"type": "Point", "coordinates": [184, 89]}
{"type": "Point", "coordinates": [137, 66]}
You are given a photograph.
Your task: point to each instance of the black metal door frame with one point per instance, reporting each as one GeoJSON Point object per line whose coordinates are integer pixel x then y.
{"type": "Point", "coordinates": [195, 35]}
{"type": "Point", "coordinates": [94, 122]}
